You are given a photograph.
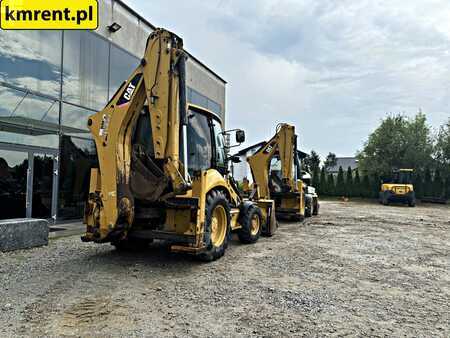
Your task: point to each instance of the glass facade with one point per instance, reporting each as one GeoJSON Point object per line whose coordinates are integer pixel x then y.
{"type": "Point", "coordinates": [85, 69]}
{"type": "Point", "coordinates": [121, 65]}
{"type": "Point", "coordinates": [32, 60]}
{"type": "Point", "coordinates": [43, 166]}
{"type": "Point", "coordinates": [78, 156]}
{"type": "Point", "coordinates": [13, 183]}
{"type": "Point", "coordinates": [50, 82]}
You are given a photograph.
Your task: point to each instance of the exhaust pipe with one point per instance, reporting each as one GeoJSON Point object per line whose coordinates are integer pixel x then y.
{"type": "Point", "coordinates": [183, 112]}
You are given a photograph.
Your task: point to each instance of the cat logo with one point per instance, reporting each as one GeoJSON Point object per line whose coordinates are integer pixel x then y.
{"type": "Point", "coordinates": [129, 92]}
{"type": "Point", "coordinates": [268, 149]}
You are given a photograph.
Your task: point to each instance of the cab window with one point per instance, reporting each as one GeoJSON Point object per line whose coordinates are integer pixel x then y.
{"type": "Point", "coordinates": [219, 145]}
{"type": "Point", "coordinates": [199, 142]}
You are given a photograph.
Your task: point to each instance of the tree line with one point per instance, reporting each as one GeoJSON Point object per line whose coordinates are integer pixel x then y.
{"type": "Point", "coordinates": [398, 142]}
{"type": "Point", "coordinates": [350, 183]}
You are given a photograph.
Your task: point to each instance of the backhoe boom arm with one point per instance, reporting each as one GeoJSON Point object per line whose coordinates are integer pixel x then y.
{"type": "Point", "coordinates": [283, 144]}
{"type": "Point", "coordinates": [159, 83]}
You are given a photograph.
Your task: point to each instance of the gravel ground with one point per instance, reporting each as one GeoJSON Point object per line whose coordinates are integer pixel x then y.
{"type": "Point", "coordinates": [358, 269]}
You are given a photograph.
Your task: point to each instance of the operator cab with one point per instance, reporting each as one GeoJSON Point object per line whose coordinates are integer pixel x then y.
{"type": "Point", "coordinates": [205, 141]}
{"type": "Point", "coordinates": [275, 174]}
{"type": "Point", "coordinates": [400, 176]}
{"type": "Point", "coordinates": [403, 176]}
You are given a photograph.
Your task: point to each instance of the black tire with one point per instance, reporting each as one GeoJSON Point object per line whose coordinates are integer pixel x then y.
{"type": "Point", "coordinates": [308, 207]}
{"type": "Point", "coordinates": [412, 203]}
{"type": "Point", "coordinates": [215, 199]}
{"type": "Point", "coordinates": [315, 211]}
{"type": "Point", "coordinates": [385, 200]}
{"type": "Point", "coordinates": [247, 234]}
{"type": "Point", "coordinates": [298, 218]}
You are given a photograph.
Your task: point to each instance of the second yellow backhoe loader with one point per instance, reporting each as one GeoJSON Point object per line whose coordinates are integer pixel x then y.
{"type": "Point", "coordinates": [163, 171]}
{"type": "Point", "coordinates": [398, 188]}
{"type": "Point", "coordinates": [275, 169]}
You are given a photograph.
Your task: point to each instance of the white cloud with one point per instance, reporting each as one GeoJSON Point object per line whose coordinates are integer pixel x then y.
{"type": "Point", "coordinates": [333, 68]}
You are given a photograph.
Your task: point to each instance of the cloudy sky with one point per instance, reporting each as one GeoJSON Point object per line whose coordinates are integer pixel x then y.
{"type": "Point", "coordinates": [332, 68]}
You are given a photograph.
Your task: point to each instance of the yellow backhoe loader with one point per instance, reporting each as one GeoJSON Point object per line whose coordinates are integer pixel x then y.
{"type": "Point", "coordinates": [162, 166]}
{"type": "Point", "coordinates": [275, 169]}
{"type": "Point", "coordinates": [398, 188]}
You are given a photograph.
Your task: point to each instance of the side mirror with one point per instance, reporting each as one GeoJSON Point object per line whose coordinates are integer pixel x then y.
{"type": "Point", "coordinates": [240, 136]}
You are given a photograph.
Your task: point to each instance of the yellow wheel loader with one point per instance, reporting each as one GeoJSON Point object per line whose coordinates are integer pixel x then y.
{"type": "Point", "coordinates": [275, 169]}
{"type": "Point", "coordinates": [162, 166]}
{"type": "Point", "coordinates": [398, 188]}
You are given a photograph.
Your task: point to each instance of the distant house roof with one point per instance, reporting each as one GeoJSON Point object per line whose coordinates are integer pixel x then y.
{"type": "Point", "coordinates": [344, 162]}
{"type": "Point", "coordinates": [246, 150]}
{"type": "Point", "coordinates": [301, 154]}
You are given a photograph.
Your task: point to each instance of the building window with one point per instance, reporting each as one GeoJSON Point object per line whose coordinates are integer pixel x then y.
{"type": "Point", "coordinates": [78, 156]}
{"type": "Point", "coordinates": [214, 107]}
{"type": "Point", "coordinates": [85, 69]}
{"type": "Point", "coordinates": [13, 184]}
{"type": "Point", "coordinates": [74, 119]}
{"type": "Point", "coordinates": [201, 100]}
{"type": "Point", "coordinates": [28, 119]}
{"type": "Point", "coordinates": [121, 66]}
{"type": "Point", "coordinates": [31, 59]}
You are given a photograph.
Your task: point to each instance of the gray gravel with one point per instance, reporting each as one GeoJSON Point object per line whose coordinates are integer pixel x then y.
{"type": "Point", "coordinates": [359, 269]}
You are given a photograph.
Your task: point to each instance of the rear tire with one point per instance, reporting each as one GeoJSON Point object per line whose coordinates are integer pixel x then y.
{"type": "Point", "coordinates": [412, 203]}
{"type": "Point", "coordinates": [251, 223]}
{"type": "Point", "coordinates": [217, 226]}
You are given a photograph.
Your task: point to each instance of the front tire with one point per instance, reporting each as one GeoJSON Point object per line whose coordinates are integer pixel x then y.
{"type": "Point", "coordinates": [251, 223]}
{"type": "Point", "coordinates": [308, 207]}
{"type": "Point", "coordinates": [315, 207]}
{"type": "Point", "coordinates": [217, 226]}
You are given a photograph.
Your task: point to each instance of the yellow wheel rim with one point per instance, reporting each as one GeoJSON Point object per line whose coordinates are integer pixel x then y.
{"type": "Point", "coordinates": [218, 225]}
{"type": "Point", "coordinates": [254, 225]}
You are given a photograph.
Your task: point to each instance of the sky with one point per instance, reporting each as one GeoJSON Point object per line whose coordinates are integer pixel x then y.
{"type": "Point", "coordinates": [334, 69]}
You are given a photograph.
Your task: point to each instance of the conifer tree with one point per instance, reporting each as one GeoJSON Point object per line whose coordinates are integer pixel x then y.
{"type": "Point", "coordinates": [447, 187]}
{"type": "Point", "coordinates": [375, 185]}
{"type": "Point", "coordinates": [331, 189]}
{"type": "Point", "coordinates": [357, 185]}
{"type": "Point", "coordinates": [323, 182]}
{"type": "Point", "coordinates": [437, 184]}
{"type": "Point", "coordinates": [418, 184]}
{"type": "Point", "coordinates": [427, 183]}
{"type": "Point", "coordinates": [365, 186]}
{"type": "Point", "coordinates": [349, 183]}
{"type": "Point", "coordinates": [340, 183]}
{"type": "Point", "coordinates": [316, 179]}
